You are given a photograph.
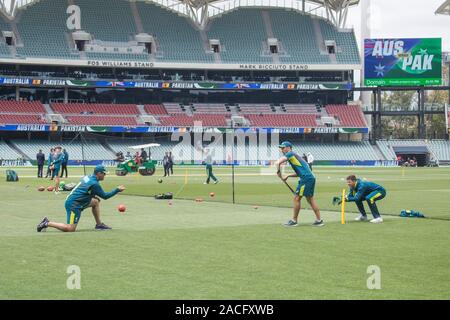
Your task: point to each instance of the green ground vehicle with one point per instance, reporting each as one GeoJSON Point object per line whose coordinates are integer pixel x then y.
{"type": "Point", "coordinates": [147, 168]}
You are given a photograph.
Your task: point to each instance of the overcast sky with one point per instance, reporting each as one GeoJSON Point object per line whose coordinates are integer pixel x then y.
{"type": "Point", "coordinates": [404, 19]}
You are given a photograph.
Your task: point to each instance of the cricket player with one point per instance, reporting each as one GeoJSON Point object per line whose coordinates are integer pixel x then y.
{"type": "Point", "coordinates": [360, 191]}
{"type": "Point", "coordinates": [83, 196]}
{"type": "Point", "coordinates": [56, 166]}
{"type": "Point", "coordinates": [209, 166]}
{"type": "Point", "coordinates": [305, 187]}
{"type": "Point", "coordinates": [49, 163]}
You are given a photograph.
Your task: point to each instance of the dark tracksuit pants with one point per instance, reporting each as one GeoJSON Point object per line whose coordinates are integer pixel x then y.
{"type": "Point", "coordinates": [49, 172]}
{"type": "Point", "coordinates": [40, 170]}
{"type": "Point", "coordinates": [210, 173]}
{"type": "Point", "coordinates": [371, 198]}
{"type": "Point", "coordinates": [166, 169]}
{"type": "Point", "coordinates": [63, 168]}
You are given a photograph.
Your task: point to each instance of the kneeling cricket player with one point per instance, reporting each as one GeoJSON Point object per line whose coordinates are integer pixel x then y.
{"type": "Point", "coordinates": [83, 196]}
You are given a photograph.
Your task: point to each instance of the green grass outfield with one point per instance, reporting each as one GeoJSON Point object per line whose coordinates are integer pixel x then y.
{"type": "Point", "coordinates": [217, 250]}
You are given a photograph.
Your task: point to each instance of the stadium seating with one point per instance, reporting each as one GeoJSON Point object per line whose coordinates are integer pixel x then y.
{"type": "Point", "coordinates": [6, 152]}
{"type": "Point", "coordinates": [246, 108]}
{"type": "Point", "coordinates": [92, 149]}
{"type": "Point", "coordinates": [4, 51]}
{"type": "Point", "coordinates": [345, 42]}
{"type": "Point", "coordinates": [173, 114]}
{"type": "Point", "coordinates": [296, 34]}
{"type": "Point", "coordinates": [43, 30]}
{"type": "Point", "coordinates": [102, 120]}
{"type": "Point", "coordinates": [21, 107]}
{"type": "Point", "coordinates": [106, 109]}
{"type": "Point", "coordinates": [185, 120]}
{"type": "Point", "coordinates": [282, 120]}
{"type": "Point", "coordinates": [210, 108]}
{"type": "Point", "coordinates": [107, 20]}
{"type": "Point", "coordinates": [21, 119]}
{"type": "Point", "coordinates": [386, 150]}
{"type": "Point", "coordinates": [294, 108]}
{"type": "Point", "coordinates": [440, 148]}
{"type": "Point", "coordinates": [155, 109]}
{"type": "Point", "coordinates": [338, 151]}
{"type": "Point", "coordinates": [117, 56]}
{"type": "Point", "coordinates": [348, 116]}
{"type": "Point", "coordinates": [157, 153]}
{"type": "Point", "coordinates": [242, 36]}
{"type": "Point", "coordinates": [176, 38]}
{"type": "Point", "coordinates": [173, 108]}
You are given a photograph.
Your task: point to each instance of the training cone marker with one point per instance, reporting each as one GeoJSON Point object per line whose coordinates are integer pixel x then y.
{"type": "Point", "coordinates": [255, 207]}
{"type": "Point", "coordinates": [50, 188]}
{"type": "Point", "coordinates": [41, 188]}
{"type": "Point", "coordinates": [121, 208]}
{"type": "Point", "coordinates": [212, 194]}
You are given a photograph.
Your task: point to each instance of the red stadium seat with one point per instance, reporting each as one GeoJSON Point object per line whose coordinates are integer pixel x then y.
{"type": "Point", "coordinates": [88, 108]}
{"type": "Point", "coordinates": [185, 120]}
{"type": "Point", "coordinates": [102, 120]}
{"type": "Point", "coordinates": [155, 109]}
{"type": "Point", "coordinates": [22, 119]}
{"type": "Point", "coordinates": [21, 107]}
{"type": "Point", "coordinates": [349, 116]}
{"type": "Point", "coordinates": [282, 120]}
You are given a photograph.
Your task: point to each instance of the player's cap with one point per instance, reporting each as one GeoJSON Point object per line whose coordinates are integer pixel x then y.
{"type": "Point", "coordinates": [100, 169]}
{"type": "Point", "coordinates": [285, 144]}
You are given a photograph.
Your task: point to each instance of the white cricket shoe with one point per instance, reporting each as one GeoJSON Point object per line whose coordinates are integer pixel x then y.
{"type": "Point", "coordinates": [377, 220]}
{"type": "Point", "coordinates": [361, 218]}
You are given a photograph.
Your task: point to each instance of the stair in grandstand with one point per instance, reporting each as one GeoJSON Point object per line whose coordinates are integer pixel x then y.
{"type": "Point", "coordinates": [107, 147]}
{"type": "Point", "coordinates": [141, 109]}
{"type": "Point", "coordinates": [269, 32]}
{"type": "Point", "coordinates": [137, 17]}
{"type": "Point", "coordinates": [319, 37]}
{"type": "Point", "coordinates": [379, 153]}
{"type": "Point", "coordinates": [6, 152]}
{"type": "Point", "coordinates": [17, 149]}
{"type": "Point", "coordinates": [48, 109]}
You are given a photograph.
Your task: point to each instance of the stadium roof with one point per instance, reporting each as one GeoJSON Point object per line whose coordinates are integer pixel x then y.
{"type": "Point", "coordinates": [202, 10]}
{"type": "Point", "coordinates": [444, 8]}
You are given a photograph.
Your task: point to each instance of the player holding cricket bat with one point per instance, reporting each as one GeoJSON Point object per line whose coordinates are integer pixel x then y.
{"type": "Point", "coordinates": [305, 187]}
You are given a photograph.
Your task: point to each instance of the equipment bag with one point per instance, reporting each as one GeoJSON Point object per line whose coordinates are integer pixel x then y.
{"type": "Point", "coordinates": [411, 214]}
{"type": "Point", "coordinates": [69, 186]}
{"type": "Point", "coordinates": [11, 176]}
{"type": "Point", "coordinates": [163, 196]}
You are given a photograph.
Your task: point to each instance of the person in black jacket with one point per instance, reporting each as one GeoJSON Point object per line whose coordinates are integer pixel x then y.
{"type": "Point", "coordinates": [40, 157]}
{"type": "Point", "coordinates": [64, 163]}
{"type": "Point", "coordinates": [171, 162]}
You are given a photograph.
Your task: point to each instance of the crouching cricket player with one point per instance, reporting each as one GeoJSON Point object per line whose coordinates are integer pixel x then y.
{"type": "Point", "coordinates": [360, 191]}
{"type": "Point", "coordinates": [83, 196]}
